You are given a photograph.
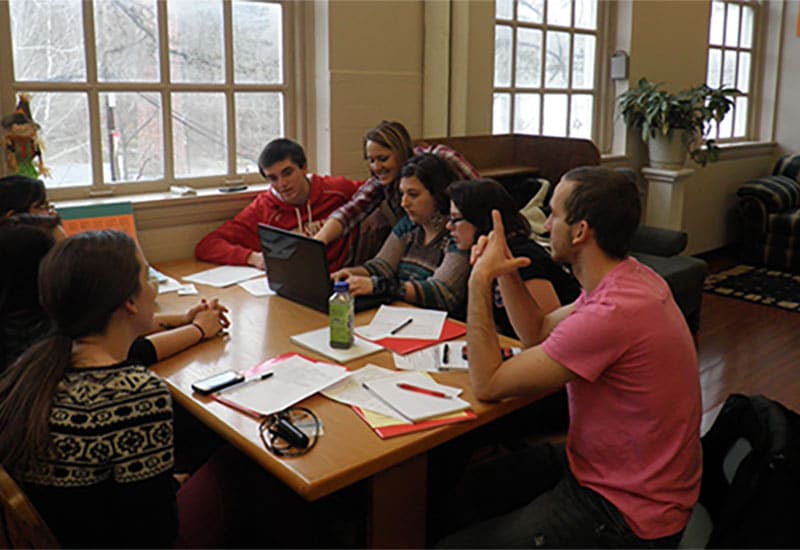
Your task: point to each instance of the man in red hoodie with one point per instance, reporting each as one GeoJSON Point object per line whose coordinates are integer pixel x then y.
{"type": "Point", "coordinates": [295, 201]}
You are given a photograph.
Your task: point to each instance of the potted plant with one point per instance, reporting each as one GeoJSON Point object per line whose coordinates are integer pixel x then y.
{"type": "Point", "coordinates": [679, 121]}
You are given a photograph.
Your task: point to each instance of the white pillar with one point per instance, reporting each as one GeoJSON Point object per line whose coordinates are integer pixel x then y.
{"type": "Point", "coordinates": [665, 196]}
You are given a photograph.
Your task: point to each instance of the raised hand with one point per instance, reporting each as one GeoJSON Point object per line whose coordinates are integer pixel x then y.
{"type": "Point", "coordinates": [490, 256]}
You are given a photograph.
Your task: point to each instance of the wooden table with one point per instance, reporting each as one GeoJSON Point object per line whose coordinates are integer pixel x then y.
{"type": "Point", "coordinates": [349, 451]}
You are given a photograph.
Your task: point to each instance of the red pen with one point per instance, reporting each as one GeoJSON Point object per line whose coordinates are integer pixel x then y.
{"type": "Point", "coordinates": [425, 391]}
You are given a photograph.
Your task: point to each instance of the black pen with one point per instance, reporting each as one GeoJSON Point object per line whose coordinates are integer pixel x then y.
{"type": "Point", "coordinates": [445, 354]}
{"type": "Point", "coordinates": [403, 325]}
{"type": "Point", "coordinates": [263, 376]}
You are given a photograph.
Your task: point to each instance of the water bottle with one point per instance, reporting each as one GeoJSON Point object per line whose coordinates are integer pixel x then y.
{"type": "Point", "coordinates": [341, 313]}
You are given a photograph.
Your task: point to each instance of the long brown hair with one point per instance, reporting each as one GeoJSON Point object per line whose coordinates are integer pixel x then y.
{"type": "Point", "coordinates": [82, 282]}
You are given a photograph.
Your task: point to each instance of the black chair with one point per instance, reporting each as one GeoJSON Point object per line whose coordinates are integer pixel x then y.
{"type": "Point", "coordinates": [660, 250]}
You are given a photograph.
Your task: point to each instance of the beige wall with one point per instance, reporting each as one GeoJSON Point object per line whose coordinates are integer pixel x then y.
{"type": "Point", "coordinates": [787, 122]}
{"type": "Point", "coordinates": [376, 69]}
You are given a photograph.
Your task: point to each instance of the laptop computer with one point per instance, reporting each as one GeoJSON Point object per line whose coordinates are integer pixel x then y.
{"type": "Point", "coordinates": [297, 269]}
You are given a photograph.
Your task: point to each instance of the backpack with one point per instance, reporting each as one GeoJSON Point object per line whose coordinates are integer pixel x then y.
{"type": "Point", "coordinates": [760, 507]}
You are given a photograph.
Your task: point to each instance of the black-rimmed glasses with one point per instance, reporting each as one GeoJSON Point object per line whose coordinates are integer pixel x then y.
{"type": "Point", "coordinates": [292, 432]}
{"type": "Point", "coordinates": [452, 220]}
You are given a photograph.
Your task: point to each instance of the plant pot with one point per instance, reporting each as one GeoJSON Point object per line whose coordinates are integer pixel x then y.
{"type": "Point", "coordinates": [667, 152]}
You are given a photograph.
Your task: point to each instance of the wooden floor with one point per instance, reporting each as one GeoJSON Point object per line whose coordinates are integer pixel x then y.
{"type": "Point", "coordinates": [747, 348]}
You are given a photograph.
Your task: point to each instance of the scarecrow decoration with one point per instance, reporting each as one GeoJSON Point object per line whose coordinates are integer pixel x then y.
{"type": "Point", "coordinates": [21, 140]}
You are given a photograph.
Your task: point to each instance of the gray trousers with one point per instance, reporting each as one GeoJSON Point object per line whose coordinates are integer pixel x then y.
{"type": "Point", "coordinates": [531, 499]}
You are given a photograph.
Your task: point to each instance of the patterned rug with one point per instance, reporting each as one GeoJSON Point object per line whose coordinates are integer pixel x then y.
{"type": "Point", "coordinates": [759, 285]}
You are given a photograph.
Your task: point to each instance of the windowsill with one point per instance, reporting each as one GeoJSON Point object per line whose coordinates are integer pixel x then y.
{"type": "Point", "coordinates": [746, 149]}
{"type": "Point", "coordinates": [167, 199]}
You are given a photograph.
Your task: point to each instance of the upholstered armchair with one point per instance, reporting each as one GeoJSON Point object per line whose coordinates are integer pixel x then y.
{"type": "Point", "coordinates": [770, 212]}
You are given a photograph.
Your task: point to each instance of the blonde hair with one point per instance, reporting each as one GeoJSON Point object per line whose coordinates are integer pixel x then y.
{"type": "Point", "coordinates": [394, 136]}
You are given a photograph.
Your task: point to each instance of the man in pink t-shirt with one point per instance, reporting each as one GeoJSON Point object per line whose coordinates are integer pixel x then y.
{"type": "Point", "coordinates": [630, 471]}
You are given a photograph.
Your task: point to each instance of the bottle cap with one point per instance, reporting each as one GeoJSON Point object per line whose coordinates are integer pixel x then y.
{"type": "Point", "coordinates": [341, 286]}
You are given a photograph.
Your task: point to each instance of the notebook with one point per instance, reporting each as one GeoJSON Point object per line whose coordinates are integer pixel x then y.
{"type": "Point", "coordinates": [297, 269]}
{"type": "Point", "coordinates": [319, 341]}
{"type": "Point", "coordinates": [414, 405]}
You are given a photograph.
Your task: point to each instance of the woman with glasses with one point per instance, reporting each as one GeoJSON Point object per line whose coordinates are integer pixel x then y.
{"type": "Point", "coordinates": [23, 195]}
{"type": "Point", "coordinates": [418, 262]}
{"type": "Point", "coordinates": [376, 207]}
{"type": "Point", "coordinates": [29, 227]}
{"type": "Point", "coordinates": [471, 205]}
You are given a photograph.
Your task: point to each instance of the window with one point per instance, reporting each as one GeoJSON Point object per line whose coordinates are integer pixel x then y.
{"type": "Point", "coordinates": [730, 60]}
{"type": "Point", "coordinates": [545, 68]}
{"type": "Point", "coordinates": [134, 95]}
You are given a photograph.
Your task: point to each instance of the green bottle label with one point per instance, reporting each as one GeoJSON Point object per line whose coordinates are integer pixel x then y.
{"type": "Point", "coordinates": [341, 322]}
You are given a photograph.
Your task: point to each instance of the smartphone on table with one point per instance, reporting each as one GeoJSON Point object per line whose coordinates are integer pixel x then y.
{"type": "Point", "coordinates": [217, 382]}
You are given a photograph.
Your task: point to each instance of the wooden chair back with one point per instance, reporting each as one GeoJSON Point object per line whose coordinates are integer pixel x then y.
{"type": "Point", "coordinates": [21, 526]}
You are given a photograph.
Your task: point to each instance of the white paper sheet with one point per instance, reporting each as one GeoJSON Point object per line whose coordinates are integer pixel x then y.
{"type": "Point", "coordinates": [295, 379]}
{"type": "Point", "coordinates": [426, 324]}
{"type": "Point", "coordinates": [224, 275]}
{"type": "Point", "coordinates": [350, 391]}
{"type": "Point", "coordinates": [257, 287]}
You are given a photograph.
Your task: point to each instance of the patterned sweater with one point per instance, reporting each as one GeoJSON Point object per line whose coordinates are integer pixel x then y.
{"type": "Point", "coordinates": [106, 480]}
{"type": "Point", "coordinates": [375, 208]}
{"type": "Point", "coordinates": [438, 271]}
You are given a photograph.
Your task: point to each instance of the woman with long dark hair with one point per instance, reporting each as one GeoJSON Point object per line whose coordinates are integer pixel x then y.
{"type": "Point", "coordinates": [471, 205]}
{"type": "Point", "coordinates": [418, 262]}
{"type": "Point", "coordinates": [375, 209]}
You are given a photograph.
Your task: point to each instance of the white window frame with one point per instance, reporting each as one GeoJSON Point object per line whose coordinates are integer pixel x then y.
{"type": "Point", "coordinates": [755, 63]}
{"type": "Point", "coordinates": [292, 122]}
{"type": "Point", "coordinates": [601, 90]}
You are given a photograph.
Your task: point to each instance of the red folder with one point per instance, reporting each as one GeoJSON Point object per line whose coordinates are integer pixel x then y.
{"type": "Point", "coordinates": [401, 429]}
{"type": "Point", "coordinates": [450, 330]}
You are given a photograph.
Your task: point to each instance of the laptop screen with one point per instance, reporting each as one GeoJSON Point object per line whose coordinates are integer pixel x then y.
{"type": "Point", "coordinates": [297, 268]}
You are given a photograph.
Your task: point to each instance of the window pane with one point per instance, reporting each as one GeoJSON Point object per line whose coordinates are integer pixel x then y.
{"type": "Point", "coordinates": [714, 67]}
{"type": "Point", "coordinates": [583, 62]}
{"type": "Point", "coordinates": [63, 118]}
{"type": "Point", "coordinates": [127, 41]}
{"type": "Point", "coordinates": [526, 113]}
{"type": "Point", "coordinates": [746, 40]}
{"type": "Point", "coordinates": [559, 12]}
{"type": "Point", "coordinates": [726, 126]}
{"type": "Point", "coordinates": [504, 9]}
{"type": "Point", "coordinates": [500, 114]}
{"type": "Point", "coordinates": [195, 41]}
{"type": "Point", "coordinates": [740, 129]}
{"type": "Point", "coordinates": [586, 14]}
{"type": "Point", "coordinates": [529, 57]}
{"type": "Point", "coordinates": [580, 123]}
{"type": "Point", "coordinates": [47, 40]}
{"type": "Point", "coordinates": [530, 11]}
{"type": "Point", "coordinates": [257, 43]}
{"type": "Point", "coordinates": [555, 115]}
{"type": "Point", "coordinates": [557, 60]}
{"type": "Point", "coordinates": [729, 68]}
{"type": "Point", "coordinates": [130, 125]}
{"type": "Point", "coordinates": [259, 119]}
{"type": "Point", "coordinates": [743, 81]}
{"type": "Point", "coordinates": [199, 130]}
{"type": "Point", "coordinates": [732, 26]}
{"type": "Point", "coordinates": [717, 26]}
{"type": "Point", "coordinates": [502, 55]}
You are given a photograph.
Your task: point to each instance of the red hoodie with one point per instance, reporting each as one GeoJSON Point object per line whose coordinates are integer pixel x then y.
{"type": "Point", "coordinates": [233, 241]}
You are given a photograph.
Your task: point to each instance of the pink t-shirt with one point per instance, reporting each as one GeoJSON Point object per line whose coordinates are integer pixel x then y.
{"type": "Point", "coordinates": [635, 406]}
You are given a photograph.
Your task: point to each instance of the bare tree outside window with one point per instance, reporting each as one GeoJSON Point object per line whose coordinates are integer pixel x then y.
{"type": "Point", "coordinates": [146, 96]}
{"type": "Point", "coordinates": [545, 52]}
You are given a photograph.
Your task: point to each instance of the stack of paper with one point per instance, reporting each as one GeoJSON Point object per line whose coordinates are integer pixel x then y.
{"type": "Point", "coordinates": [224, 275]}
{"type": "Point", "coordinates": [403, 329]}
{"type": "Point", "coordinates": [411, 413]}
{"type": "Point", "coordinates": [294, 379]}
{"type": "Point", "coordinates": [319, 341]}
{"type": "Point", "coordinates": [417, 397]}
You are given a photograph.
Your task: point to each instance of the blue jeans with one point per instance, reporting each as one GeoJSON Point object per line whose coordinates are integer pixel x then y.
{"type": "Point", "coordinates": [531, 499]}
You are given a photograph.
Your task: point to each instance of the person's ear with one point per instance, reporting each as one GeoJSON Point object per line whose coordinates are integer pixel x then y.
{"type": "Point", "coordinates": [580, 232]}
{"type": "Point", "coordinates": [130, 306]}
